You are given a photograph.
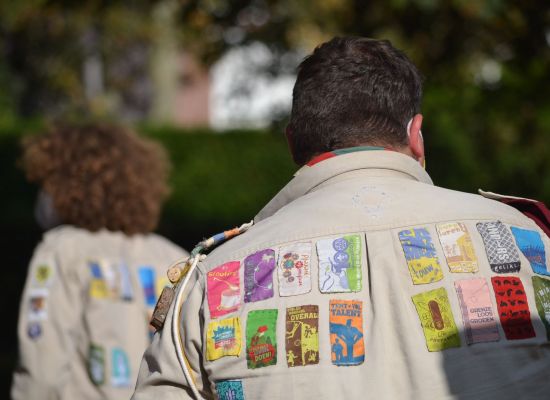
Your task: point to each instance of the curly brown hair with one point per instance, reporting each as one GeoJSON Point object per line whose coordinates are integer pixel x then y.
{"type": "Point", "coordinates": [99, 176]}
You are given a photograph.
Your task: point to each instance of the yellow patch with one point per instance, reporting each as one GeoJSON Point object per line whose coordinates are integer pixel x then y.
{"type": "Point", "coordinates": [98, 289]}
{"type": "Point", "coordinates": [223, 338]}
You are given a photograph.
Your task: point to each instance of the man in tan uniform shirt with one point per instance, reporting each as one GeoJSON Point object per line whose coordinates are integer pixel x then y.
{"type": "Point", "coordinates": [361, 279]}
{"type": "Point", "coordinates": [93, 280]}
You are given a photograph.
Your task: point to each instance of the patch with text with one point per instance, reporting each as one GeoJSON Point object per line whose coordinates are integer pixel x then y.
{"type": "Point", "coordinates": [302, 335]}
{"type": "Point", "coordinates": [477, 311]}
{"type": "Point", "coordinates": [223, 338]}
{"type": "Point", "coordinates": [530, 244]}
{"type": "Point", "coordinates": [261, 338]}
{"type": "Point", "coordinates": [541, 288]}
{"type": "Point", "coordinates": [346, 332]}
{"type": "Point", "coordinates": [421, 256]}
{"type": "Point", "coordinates": [294, 271]}
{"type": "Point", "coordinates": [436, 318]}
{"type": "Point", "coordinates": [499, 246]}
{"type": "Point", "coordinates": [458, 247]}
{"type": "Point", "coordinates": [224, 289]}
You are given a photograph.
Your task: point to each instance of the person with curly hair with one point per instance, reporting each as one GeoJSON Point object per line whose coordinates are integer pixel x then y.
{"type": "Point", "coordinates": [94, 279]}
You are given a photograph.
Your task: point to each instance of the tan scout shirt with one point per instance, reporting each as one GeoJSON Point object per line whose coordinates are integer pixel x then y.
{"type": "Point", "coordinates": [83, 323]}
{"type": "Point", "coordinates": [362, 280]}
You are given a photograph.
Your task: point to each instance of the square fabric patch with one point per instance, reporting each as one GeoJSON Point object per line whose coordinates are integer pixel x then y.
{"type": "Point", "coordinates": [120, 368]}
{"type": "Point", "coordinates": [513, 309]}
{"type": "Point", "coordinates": [499, 245]}
{"type": "Point", "coordinates": [346, 332]}
{"type": "Point", "coordinates": [98, 286]}
{"type": "Point", "coordinates": [147, 281]}
{"type": "Point", "coordinates": [38, 304]}
{"type": "Point", "coordinates": [258, 275]}
{"type": "Point", "coordinates": [223, 289]}
{"type": "Point", "coordinates": [458, 247]}
{"type": "Point", "coordinates": [477, 312]}
{"type": "Point", "coordinates": [541, 288]}
{"type": "Point", "coordinates": [421, 256]}
{"type": "Point", "coordinates": [230, 390]}
{"type": "Point", "coordinates": [302, 335]}
{"type": "Point", "coordinates": [340, 264]}
{"type": "Point", "coordinates": [96, 364]}
{"type": "Point", "coordinates": [530, 244]}
{"type": "Point", "coordinates": [437, 320]}
{"type": "Point", "coordinates": [223, 338]}
{"type": "Point", "coordinates": [126, 288]}
{"type": "Point", "coordinates": [44, 274]}
{"type": "Point", "coordinates": [293, 269]}
{"type": "Point", "coordinates": [261, 338]}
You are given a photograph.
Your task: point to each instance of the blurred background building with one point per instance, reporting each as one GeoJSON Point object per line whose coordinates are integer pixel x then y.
{"type": "Point", "coordinates": [212, 80]}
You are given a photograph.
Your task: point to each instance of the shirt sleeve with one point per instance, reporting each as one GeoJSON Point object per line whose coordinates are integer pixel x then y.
{"type": "Point", "coordinates": [49, 322]}
{"type": "Point", "coordinates": [161, 375]}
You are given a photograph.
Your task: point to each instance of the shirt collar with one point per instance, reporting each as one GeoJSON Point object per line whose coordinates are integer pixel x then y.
{"type": "Point", "coordinates": [308, 177]}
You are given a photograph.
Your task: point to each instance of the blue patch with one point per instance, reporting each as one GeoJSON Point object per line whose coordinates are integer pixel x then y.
{"type": "Point", "coordinates": [530, 244]}
{"type": "Point", "coordinates": [126, 291]}
{"type": "Point", "coordinates": [34, 330]}
{"type": "Point", "coordinates": [230, 390]}
{"type": "Point", "coordinates": [120, 368]}
{"type": "Point", "coordinates": [417, 243]}
{"type": "Point", "coordinates": [147, 279]}
{"type": "Point", "coordinates": [95, 269]}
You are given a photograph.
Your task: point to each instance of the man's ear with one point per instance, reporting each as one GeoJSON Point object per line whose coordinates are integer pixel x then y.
{"type": "Point", "coordinates": [416, 141]}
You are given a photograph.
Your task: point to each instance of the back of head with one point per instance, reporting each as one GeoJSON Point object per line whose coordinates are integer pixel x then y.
{"type": "Point", "coordinates": [99, 176]}
{"type": "Point", "coordinates": [352, 91]}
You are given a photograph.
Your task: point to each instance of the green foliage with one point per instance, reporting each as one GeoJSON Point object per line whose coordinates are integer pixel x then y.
{"type": "Point", "coordinates": [223, 179]}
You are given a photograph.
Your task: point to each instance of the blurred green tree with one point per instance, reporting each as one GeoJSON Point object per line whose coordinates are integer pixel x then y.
{"type": "Point", "coordinates": [486, 65]}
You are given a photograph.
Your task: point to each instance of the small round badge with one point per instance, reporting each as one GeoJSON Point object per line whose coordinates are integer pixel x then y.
{"type": "Point", "coordinates": [34, 330]}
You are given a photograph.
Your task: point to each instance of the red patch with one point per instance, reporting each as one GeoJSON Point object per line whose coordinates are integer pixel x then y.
{"type": "Point", "coordinates": [513, 309]}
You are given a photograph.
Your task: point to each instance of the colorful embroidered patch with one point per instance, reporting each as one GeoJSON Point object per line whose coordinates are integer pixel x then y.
{"type": "Point", "coordinates": [120, 368]}
{"type": "Point", "coordinates": [98, 287]}
{"type": "Point", "coordinates": [457, 247]}
{"type": "Point", "coordinates": [223, 289]}
{"type": "Point", "coordinates": [541, 287]}
{"type": "Point", "coordinates": [421, 256]}
{"type": "Point", "coordinates": [499, 245]}
{"type": "Point", "coordinates": [340, 264]}
{"type": "Point", "coordinates": [477, 312]}
{"type": "Point", "coordinates": [294, 270]}
{"type": "Point", "coordinates": [147, 280]}
{"type": "Point", "coordinates": [513, 309]}
{"type": "Point", "coordinates": [38, 305]}
{"type": "Point", "coordinates": [96, 364]}
{"type": "Point", "coordinates": [530, 244]}
{"type": "Point", "coordinates": [34, 330]}
{"type": "Point", "coordinates": [436, 318]}
{"type": "Point", "coordinates": [43, 275]}
{"type": "Point", "coordinates": [126, 287]}
{"type": "Point", "coordinates": [111, 274]}
{"type": "Point", "coordinates": [223, 338]}
{"type": "Point", "coordinates": [230, 390]}
{"type": "Point", "coordinates": [261, 338]}
{"type": "Point", "coordinates": [302, 335]}
{"type": "Point", "coordinates": [258, 275]}
{"type": "Point", "coordinates": [346, 332]}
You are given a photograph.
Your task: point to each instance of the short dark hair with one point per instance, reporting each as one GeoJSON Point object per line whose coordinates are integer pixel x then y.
{"type": "Point", "coordinates": [352, 91]}
{"type": "Point", "coordinates": [99, 176]}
